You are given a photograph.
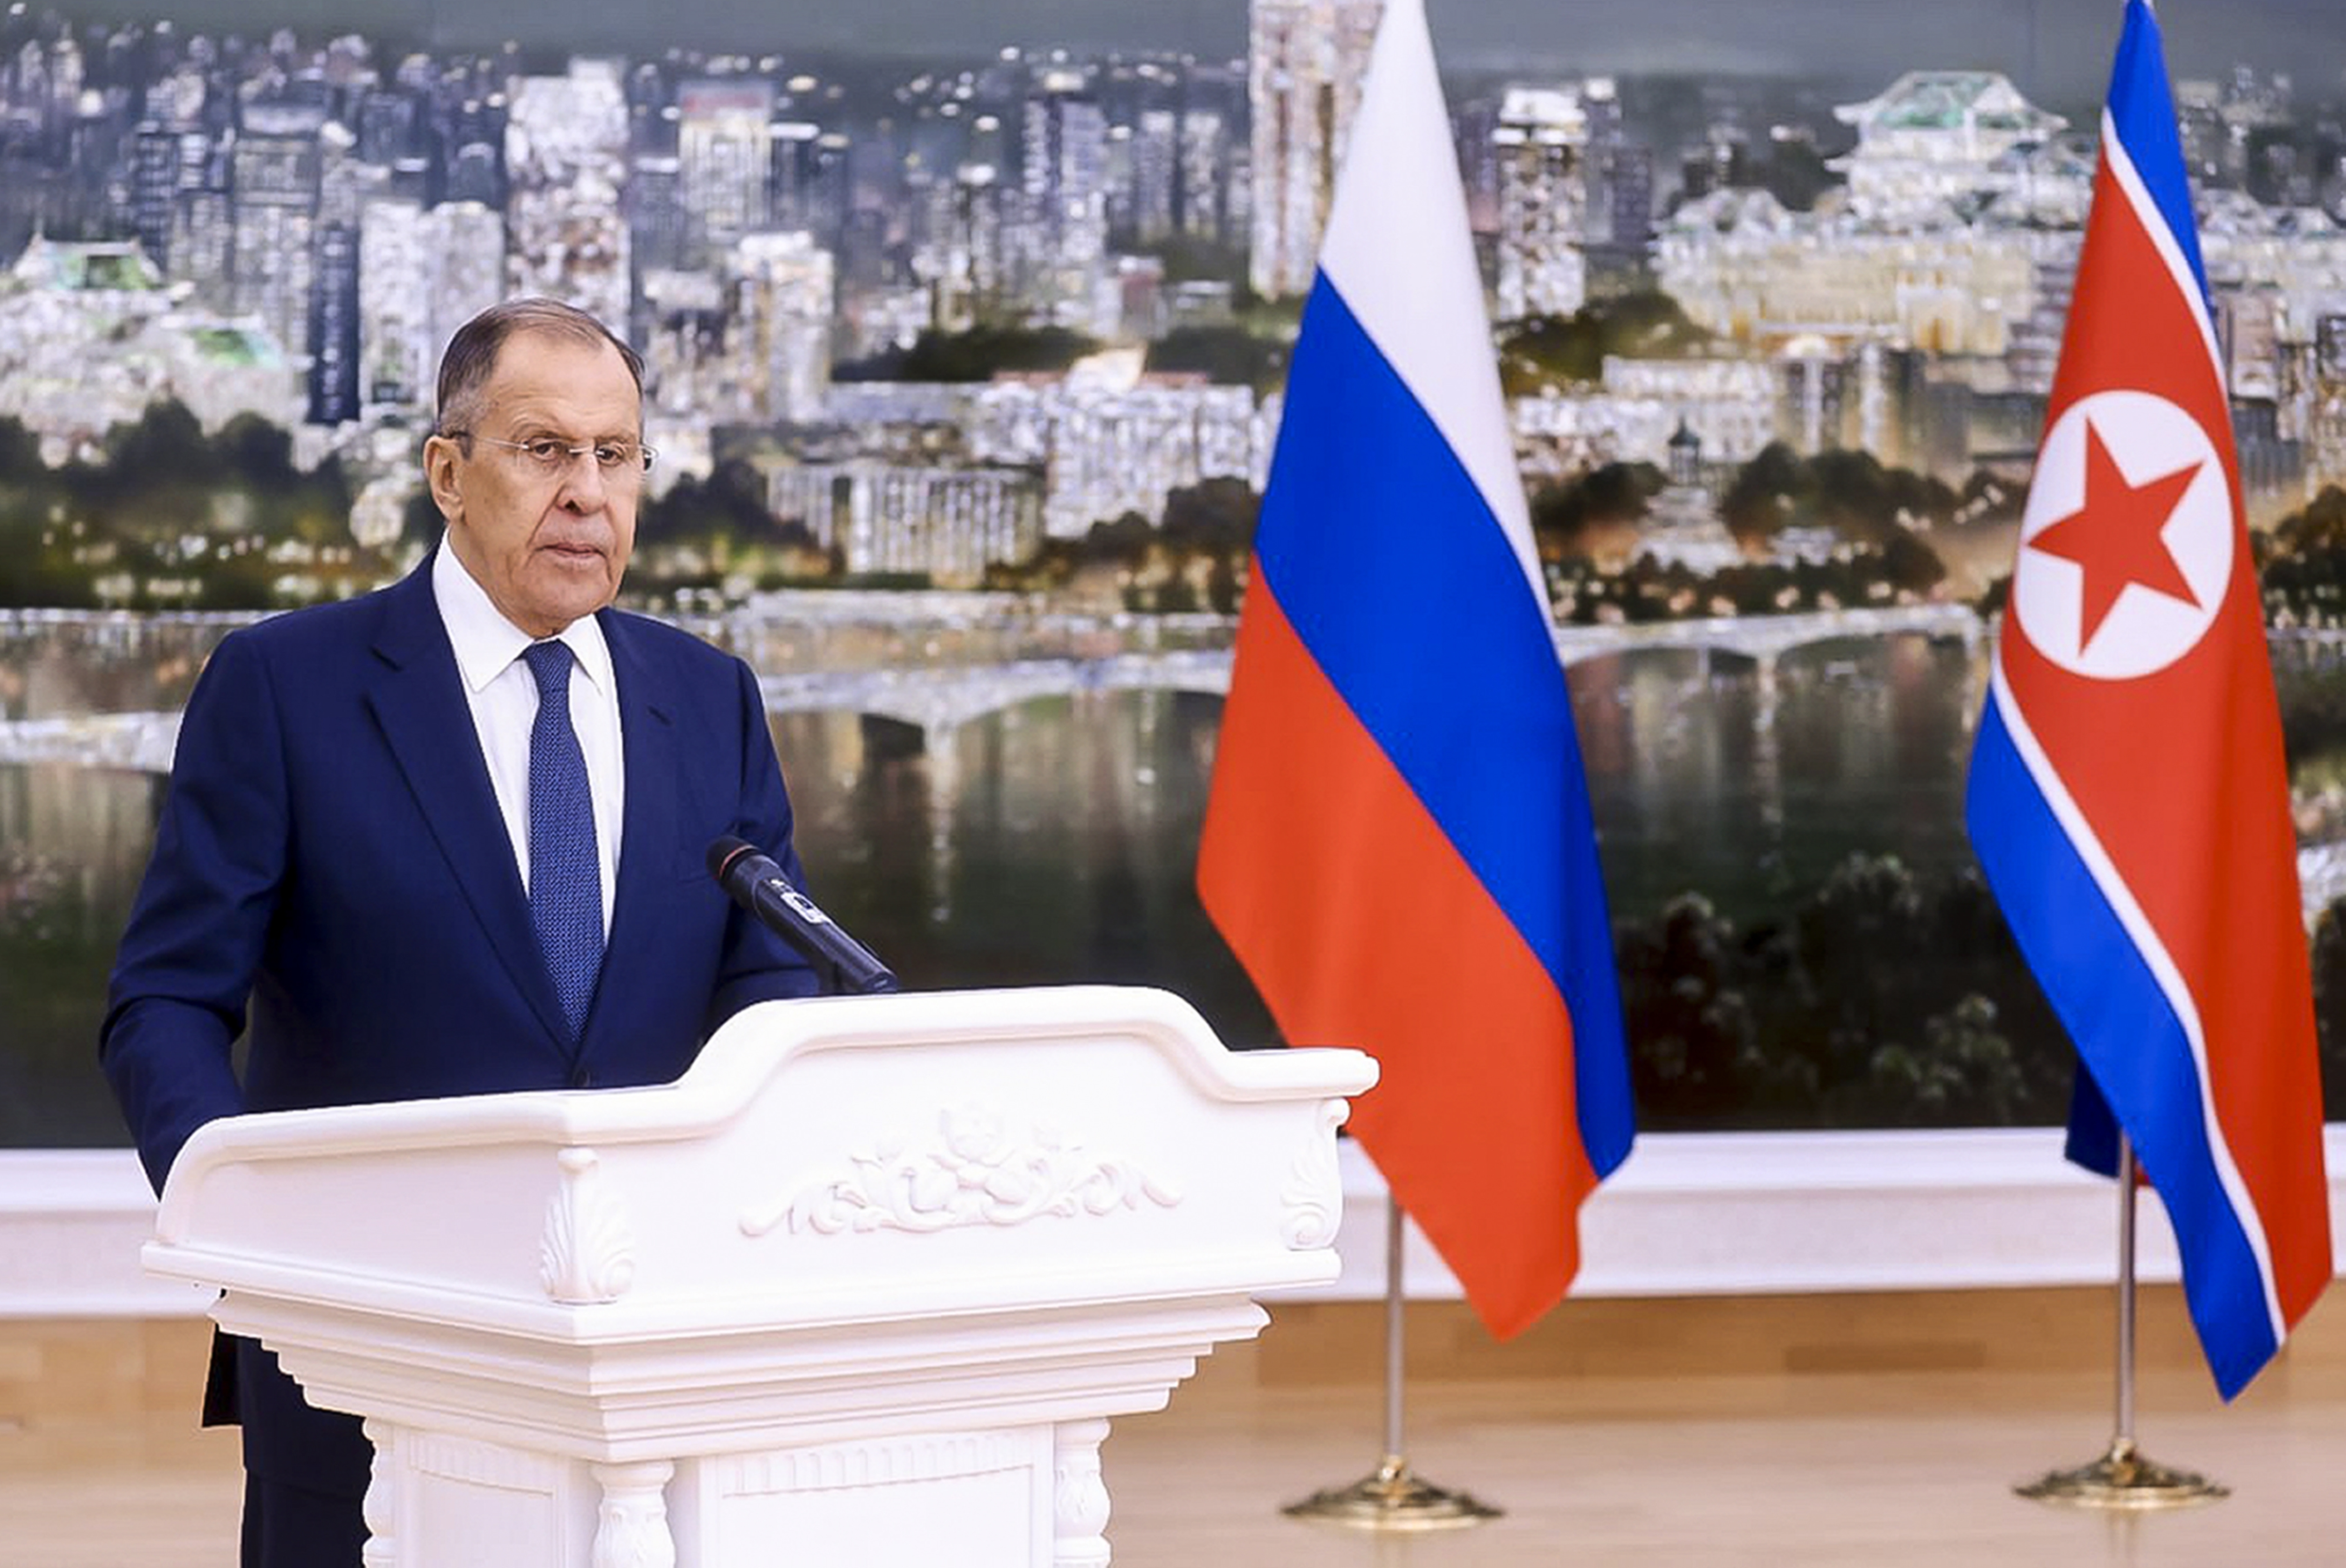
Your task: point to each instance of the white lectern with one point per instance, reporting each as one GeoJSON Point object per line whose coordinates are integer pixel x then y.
{"type": "Point", "coordinates": [861, 1290]}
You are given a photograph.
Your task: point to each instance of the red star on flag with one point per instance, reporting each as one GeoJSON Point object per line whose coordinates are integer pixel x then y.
{"type": "Point", "coordinates": [2113, 537]}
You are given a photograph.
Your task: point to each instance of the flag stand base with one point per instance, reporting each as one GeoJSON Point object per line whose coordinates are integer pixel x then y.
{"type": "Point", "coordinates": [2122, 1479]}
{"type": "Point", "coordinates": [1393, 1498]}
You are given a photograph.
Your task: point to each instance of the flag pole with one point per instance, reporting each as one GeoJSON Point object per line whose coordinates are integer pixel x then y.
{"type": "Point", "coordinates": [2122, 1478]}
{"type": "Point", "coordinates": [1393, 1496]}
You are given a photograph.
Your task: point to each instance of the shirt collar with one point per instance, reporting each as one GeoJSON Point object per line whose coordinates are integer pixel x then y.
{"type": "Point", "coordinates": [485, 643]}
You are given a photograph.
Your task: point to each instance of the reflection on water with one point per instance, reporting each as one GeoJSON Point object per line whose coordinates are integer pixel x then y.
{"type": "Point", "coordinates": [1746, 784]}
{"type": "Point", "coordinates": [73, 842]}
{"type": "Point", "coordinates": [60, 665]}
{"type": "Point", "coordinates": [1052, 842]}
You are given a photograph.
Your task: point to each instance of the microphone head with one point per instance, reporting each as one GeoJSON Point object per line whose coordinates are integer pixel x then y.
{"type": "Point", "coordinates": [724, 851]}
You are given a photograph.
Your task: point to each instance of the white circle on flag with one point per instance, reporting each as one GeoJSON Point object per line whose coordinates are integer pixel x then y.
{"type": "Point", "coordinates": [2143, 630]}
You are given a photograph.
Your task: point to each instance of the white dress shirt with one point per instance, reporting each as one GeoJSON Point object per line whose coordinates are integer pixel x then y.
{"type": "Point", "coordinates": [503, 696]}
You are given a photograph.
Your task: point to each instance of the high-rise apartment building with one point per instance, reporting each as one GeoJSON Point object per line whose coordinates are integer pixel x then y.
{"type": "Point", "coordinates": [1062, 255]}
{"type": "Point", "coordinates": [392, 320]}
{"type": "Point", "coordinates": [422, 273]}
{"type": "Point", "coordinates": [388, 126]}
{"type": "Point", "coordinates": [203, 242]}
{"type": "Point", "coordinates": [273, 198]}
{"type": "Point", "coordinates": [1620, 180]}
{"type": "Point", "coordinates": [472, 175]}
{"type": "Point", "coordinates": [809, 179]}
{"type": "Point", "coordinates": [657, 224]}
{"type": "Point", "coordinates": [347, 182]}
{"type": "Point", "coordinates": [335, 326]}
{"type": "Point", "coordinates": [682, 339]}
{"type": "Point", "coordinates": [725, 156]}
{"type": "Point", "coordinates": [1197, 205]}
{"type": "Point", "coordinates": [1305, 62]}
{"type": "Point", "coordinates": [967, 286]}
{"type": "Point", "coordinates": [156, 164]}
{"type": "Point", "coordinates": [778, 345]}
{"type": "Point", "coordinates": [1156, 151]}
{"type": "Point", "coordinates": [464, 272]}
{"type": "Point", "coordinates": [565, 164]}
{"type": "Point", "coordinates": [1542, 144]}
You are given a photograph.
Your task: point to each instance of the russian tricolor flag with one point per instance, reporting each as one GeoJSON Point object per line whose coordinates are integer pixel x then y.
{"type": "Point", "coordinates": [2128, 795]}
{"type": "Point", "coordinates": [1398, 845]}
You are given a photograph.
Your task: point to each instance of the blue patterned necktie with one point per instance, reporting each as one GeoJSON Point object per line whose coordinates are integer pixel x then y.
{"type": "Point", "coordinates": [566, 880]}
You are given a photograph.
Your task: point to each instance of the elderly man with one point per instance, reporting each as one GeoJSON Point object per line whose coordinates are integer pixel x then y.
{"type": "Point", "coordinates": [448, 839]}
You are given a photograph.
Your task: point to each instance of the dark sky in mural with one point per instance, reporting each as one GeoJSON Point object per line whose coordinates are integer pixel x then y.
{"type": "Point", "coordinates": [2052, 46]}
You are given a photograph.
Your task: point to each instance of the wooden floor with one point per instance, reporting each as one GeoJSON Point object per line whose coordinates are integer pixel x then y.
{"type": "Point", "coordinates": [1882, 1429]}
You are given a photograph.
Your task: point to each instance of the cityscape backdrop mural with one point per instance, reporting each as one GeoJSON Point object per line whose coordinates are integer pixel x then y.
{"type": "Point", "coordinates": [964, 332]}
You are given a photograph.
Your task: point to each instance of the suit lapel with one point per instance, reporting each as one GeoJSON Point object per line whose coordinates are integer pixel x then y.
{"type": "Point", "coordinates": [647, 834]}
{"type": "Point", "coordinates": [418, 699]}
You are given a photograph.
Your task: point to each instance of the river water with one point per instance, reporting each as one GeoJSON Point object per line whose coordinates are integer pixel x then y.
{"type": "Point", "coordinates": [1050, 842]}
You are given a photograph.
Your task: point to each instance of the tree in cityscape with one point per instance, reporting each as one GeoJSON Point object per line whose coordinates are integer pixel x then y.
{"type": "Point", "coordinates": [1103, 564]}
{"type": "Point", "coordinates": [1193, 559]}
{"type": "Point", "coordinates": [1879, 518]}
{"type": "Point", "coordinates": [728, 505]}
{"type": "Point", "coordinates": [976, 355]}
{"type": "Point", "coordinates": [1879, 1000]}
{"type": "Point", "coordinates": [20, 453]}
{"type": "Point", "coordinates": [165, 514]}
{"type": "Point", "coordinates": [1212, 517]}
{"type": "Point", "coordinates": [707, 534]}
{"type": "Point", "coordinates": [38, 540]}
{"type": "Point", "coordinates": [1568, 519]}
{"type": "Point", "coordinates": [1552, 352]}
{"type": "Point", "coordinates": [1229, 355]}
{"type": "Point", "coordinates": [1207, 535]}
{"type": "Point", "coordinates": [1759, 502]}
{"type": "Point", "coordinates": [1697, 1056]}
{"type": "Point", "coordinates": [1852, 493]}
{"type": "Point", "coordinates": [2301, 562]}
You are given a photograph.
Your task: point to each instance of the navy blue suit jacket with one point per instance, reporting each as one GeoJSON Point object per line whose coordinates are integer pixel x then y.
{"type": "Point", "coordinates": [332, 879]}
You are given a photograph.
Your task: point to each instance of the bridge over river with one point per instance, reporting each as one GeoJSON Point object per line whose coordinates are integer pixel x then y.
{"type": "Point", "coordinates": [943, 665]}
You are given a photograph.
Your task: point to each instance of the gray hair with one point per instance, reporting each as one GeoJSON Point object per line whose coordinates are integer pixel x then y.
{"type": "Point", "coordinates": [472, 354]}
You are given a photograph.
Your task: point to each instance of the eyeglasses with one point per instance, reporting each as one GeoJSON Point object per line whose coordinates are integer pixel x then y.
{"type": "Point", "coordinates": [616, 459]}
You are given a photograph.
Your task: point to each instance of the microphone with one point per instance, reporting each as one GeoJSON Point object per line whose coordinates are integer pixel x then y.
{"type": "Point", "coordinates": [755, 882]}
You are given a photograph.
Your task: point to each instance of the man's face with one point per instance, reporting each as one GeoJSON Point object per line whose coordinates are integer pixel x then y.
{"type": "Point", "coordinates": [549, 545]}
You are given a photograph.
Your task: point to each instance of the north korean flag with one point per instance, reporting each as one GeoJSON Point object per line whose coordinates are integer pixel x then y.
{"type": "Point", "coordinates": [2128, 797]}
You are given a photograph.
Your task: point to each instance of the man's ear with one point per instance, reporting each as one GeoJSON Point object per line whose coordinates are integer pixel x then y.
{"type": "Point", "coordinates": [440, 455]}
